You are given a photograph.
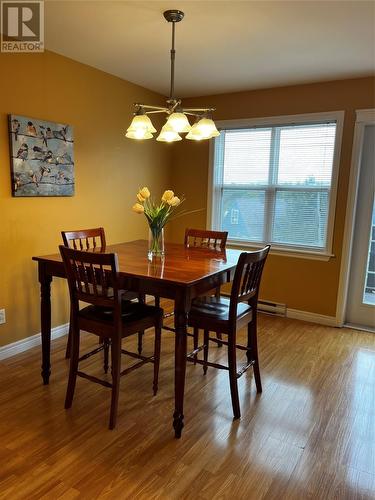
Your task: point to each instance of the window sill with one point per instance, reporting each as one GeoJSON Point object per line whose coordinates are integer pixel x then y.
{"type": "Point", "coordinates": [282, 251]}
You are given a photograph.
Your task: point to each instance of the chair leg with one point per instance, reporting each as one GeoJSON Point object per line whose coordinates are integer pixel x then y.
{"type": "Point", "coordinates": [219, 337]}
{"type": "Point", "coordinates": [69, 343]}
{"type": "Point", "coordinates": [141, 300]}
{"type": "Point", "coordinates": [205, 350]}
{"type": "Point", "coordinates": [232, 363]}
{"type": "Point", "coordinates": [196, 341]}
{"type": "Point", "coordinates": [252, 353]}
{"type": "Point", "coordinates": [157, 301]}
{"type": "Point", "coordinates": [116, 370]}
{"type": "Point", "coordinates": [140, 342]}
{"type": "Point", "coordinates": [157, 357]}
{"type": "Point", "coordinates": [106, 355]}
{"type": "Point", "coordinates": [74, 355]}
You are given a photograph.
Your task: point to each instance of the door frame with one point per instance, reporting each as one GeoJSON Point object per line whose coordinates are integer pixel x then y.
{"type": "Point", "coordinates": [364, 117]}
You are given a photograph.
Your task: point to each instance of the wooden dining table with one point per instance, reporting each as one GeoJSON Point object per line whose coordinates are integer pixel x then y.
{"type": "Point", "coordinates": [182, 274]}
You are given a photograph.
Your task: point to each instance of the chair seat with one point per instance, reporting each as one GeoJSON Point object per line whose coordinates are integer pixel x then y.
{"type": "Point", "coordinates": [131, 311]}
{"type": "Point", "coordinates": [213, 312]}
{"type": "Point", "coordinates": [128, 295]}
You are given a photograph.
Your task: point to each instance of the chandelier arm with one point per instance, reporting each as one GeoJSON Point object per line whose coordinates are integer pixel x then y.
{"type": "Point", "coordinates": [164, 110]}
{"type": "Point", "coordinates": [199, 110]}
{"type": "Point", "coordinates": [147, 106]}
{"type": "Point", "coordinates": [173, 104]}
{"type": "Point", "coordinates": [190, 113]}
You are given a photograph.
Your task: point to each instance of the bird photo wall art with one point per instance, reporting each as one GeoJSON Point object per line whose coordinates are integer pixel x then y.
{"type": "Point", "coordinates": [42, 161]}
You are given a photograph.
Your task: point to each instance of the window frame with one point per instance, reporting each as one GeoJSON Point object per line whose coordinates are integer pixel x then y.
{"type": "Point", "coordinates": [213, 199]}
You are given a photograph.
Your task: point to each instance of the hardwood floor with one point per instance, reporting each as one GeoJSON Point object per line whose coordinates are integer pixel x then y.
{"type": "Point", "coordinates": [310, 434]}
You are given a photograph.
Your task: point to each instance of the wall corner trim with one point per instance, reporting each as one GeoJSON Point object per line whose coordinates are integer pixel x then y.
{"type": "Point", "coordinates": [23, 345]}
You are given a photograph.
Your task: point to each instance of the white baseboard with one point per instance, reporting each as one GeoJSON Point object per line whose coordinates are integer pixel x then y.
{"type": "Point", "coordinates": [23, 345]}
{"type": "Point", "coordinates": [311, 317]}
{"type": "Point", "coordinates": [59, 331]}
{"type": "Point", "coordinates": [294, 313]}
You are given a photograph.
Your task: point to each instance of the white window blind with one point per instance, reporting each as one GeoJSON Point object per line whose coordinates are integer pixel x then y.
{"type": "Point", "coordinates": [277, 180]}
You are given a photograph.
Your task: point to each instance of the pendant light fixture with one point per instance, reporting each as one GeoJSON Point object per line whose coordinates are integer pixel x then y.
{"type": "Point", "coordinates": [177, 122]}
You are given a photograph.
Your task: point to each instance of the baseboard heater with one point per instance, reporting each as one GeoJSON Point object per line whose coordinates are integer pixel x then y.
{"type": "Point", "coordinates": [268, 307]}
{"type": "Point", "coordinates": [272, 308]}
{"type": "Point", "coordinates": [264, 306]}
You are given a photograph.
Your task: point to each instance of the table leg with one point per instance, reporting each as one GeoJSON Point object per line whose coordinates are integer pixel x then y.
{"type": "Point", "coordinates": [180, 320]}
{"type": "Point", "coordinates": [45, 280]}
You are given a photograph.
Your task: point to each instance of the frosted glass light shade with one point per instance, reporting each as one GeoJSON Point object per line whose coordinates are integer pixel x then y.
{"type": "Point", "coordinates": [207, 128]}
{"type": "Point", "coordinates": [167, 134]}
{"type": "Point", "coordinates": [179, 122]}
{"type": "Point", "coordinates": [141, 122]}
{"type": "Point", "coordinates": [194, 134]}
{"type": "Point", "coordinates": [215, 133]}
{"type": "Point", "coordinates": [139, 134]}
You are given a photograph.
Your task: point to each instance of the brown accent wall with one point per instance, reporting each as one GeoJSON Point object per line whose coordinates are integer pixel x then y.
{"type": "Point", "coordinates": [302, 284]}
{"type": "Point", "coordinates": [109, 170]}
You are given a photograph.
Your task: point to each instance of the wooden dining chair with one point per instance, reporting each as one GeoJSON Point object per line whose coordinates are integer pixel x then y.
{"type": "Point", "coordinates": [220, 315]}
{"type": "Point", "coordinates": [202, 238]}
{"type": "Point", "coordinates": [85, 239]}
{"type": "Point", "coordinates": [93, 278]}
{"type": "Point", "coordinates": [93, 240]}
{"type": "Point", "coordinates": [213, 240]}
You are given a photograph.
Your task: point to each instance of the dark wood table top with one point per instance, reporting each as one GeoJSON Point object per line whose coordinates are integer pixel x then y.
{"type": "Point", "coordinates": [180, 265]}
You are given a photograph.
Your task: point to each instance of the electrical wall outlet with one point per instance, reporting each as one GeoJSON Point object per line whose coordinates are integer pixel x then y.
{"type": "Point", "coordinates": [2, 316]}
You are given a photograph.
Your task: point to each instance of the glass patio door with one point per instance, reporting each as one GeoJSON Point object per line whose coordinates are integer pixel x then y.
{"type": "Point", "coordinates": [361, 296]}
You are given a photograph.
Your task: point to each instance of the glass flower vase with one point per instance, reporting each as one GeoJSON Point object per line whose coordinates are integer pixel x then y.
{"type": "Point", "coordinates": [155, 242]}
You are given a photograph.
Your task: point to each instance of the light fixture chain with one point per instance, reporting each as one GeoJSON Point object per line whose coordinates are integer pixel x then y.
{"type": "Point", "coordinates": [173, 56]}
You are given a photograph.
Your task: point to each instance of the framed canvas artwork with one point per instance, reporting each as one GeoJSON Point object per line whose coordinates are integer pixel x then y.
{"type": "Point", "coordinates": [41, 156]}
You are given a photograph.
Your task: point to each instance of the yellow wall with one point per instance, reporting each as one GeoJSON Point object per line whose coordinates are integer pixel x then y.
{"type": "Point", "coordinates": [109, 170]}
{"type": "Point", "coordinates": [302, 284]}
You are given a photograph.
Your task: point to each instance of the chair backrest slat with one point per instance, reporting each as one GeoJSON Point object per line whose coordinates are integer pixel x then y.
{"type": "Point", "coordinates": [246, 282]}
{"type": "Point", "coordinates": [214, 240]}
{"type": "Point", "coordinates": [92, 276]}
{"type": "Point", "coordinates": [85, 239]}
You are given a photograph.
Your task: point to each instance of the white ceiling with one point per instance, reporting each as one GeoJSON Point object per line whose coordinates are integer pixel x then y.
{"type": "Point", "coordinates": [222, 46]}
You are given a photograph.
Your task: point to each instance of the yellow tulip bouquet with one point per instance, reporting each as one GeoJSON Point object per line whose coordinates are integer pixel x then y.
{"type": "Point", "coordinates": [157, 215]}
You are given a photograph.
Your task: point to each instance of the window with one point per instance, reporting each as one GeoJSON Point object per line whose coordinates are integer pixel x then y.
{"type": "Point", "coordinates": [274, 182]}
